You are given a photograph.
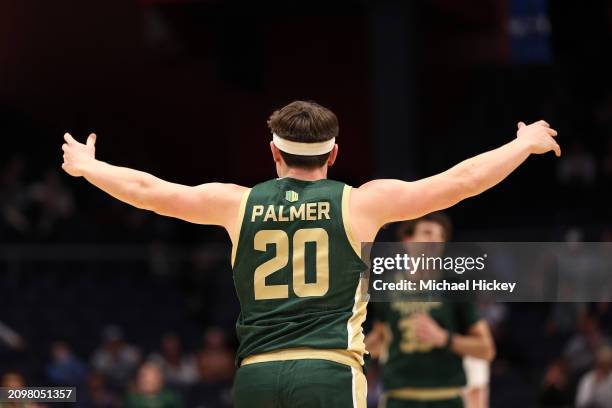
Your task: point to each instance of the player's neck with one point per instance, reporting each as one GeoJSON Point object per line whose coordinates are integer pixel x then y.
{"type": "Point", "coordinates": [304, 174]}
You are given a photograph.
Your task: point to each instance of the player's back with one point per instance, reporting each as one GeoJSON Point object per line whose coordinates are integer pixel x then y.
{"type": "Point", "coordinates": [297, 273]}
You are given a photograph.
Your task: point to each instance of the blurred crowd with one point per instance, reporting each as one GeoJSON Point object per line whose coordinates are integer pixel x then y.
{"type": "Point", "coordinates": [549, 355]}
{"type": "Point", "coordinates": [120, 374]}
{"type": "Point", "coordinates": [32, 210]}
{"type": "Point", "coordinates": [37, 206]}
{"type": "Point", "coordinates": [556, 354]}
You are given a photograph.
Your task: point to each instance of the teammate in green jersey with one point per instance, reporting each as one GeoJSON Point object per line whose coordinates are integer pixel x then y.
{"type": "Point", "coordinates": [296, 251]}
{"type": "Point", "coordinates": [421, 344]}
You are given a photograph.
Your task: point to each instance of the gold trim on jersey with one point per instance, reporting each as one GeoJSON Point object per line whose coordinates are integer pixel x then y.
{"type": "Point", "coordinates": [424, 394]}
{"type": "Point", "coordinates": [346, 220]}
{"type": "Point", "coordinates": [359, 389]}
{"type": "Point", "coordinates": [305, 353]}
{"type": "Point", "coordinates": [356, 344]}
{"type": "Point", "coordinates": [236, 235]}
{"type": "Point", "coordinates": [355, 341]}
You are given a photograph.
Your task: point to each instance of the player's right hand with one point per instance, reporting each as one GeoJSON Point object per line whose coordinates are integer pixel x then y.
{"type": "Point", "coordinates": [77, 155]}
{"type": "Point", "coordinates": [539, 136]}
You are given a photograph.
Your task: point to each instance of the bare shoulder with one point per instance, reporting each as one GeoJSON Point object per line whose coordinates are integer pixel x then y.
{"type": "Point", "coordinates": [230, 200]}
{"type": "Point", "coordinates": [376, 193]}
{"type": "Point", "coordinates": [226, 196]}
{"type": "Point", "coordinates": [232, 192]}
{"type": "Point", "coordinates": [396, 200]}
{"type": "Point", "coordinates": [374, 188]}
{"type": "Point", "coordinates": [368, 207]}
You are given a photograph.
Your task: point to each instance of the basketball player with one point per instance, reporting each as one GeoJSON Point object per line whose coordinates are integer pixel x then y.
{"type": "Point", "coordinates": [296, 247]}
{"type": "Point", "coordinates": [421, 345]}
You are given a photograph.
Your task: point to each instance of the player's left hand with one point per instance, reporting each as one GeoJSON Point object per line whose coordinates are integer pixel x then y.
{"type": "Point", "coordinates": [428, 330]}
{"type": "Point", "coordinates": [77, 155]}
{"type": "Point", "coordinates": [539, 136]}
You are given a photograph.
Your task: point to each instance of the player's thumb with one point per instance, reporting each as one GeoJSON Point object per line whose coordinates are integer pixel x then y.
{"type": "Point", "coordinates": [91, 140]}
{"type": "Point", "coordinates": [520, 125]}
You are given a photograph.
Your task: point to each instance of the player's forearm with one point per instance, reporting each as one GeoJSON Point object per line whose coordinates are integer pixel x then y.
{"type": "Point", "coordinates": [374, 342]}
{"type": "Point", "coordinates": [474, 346]}
{"type": "Point", "coordinates": [373, 347]}
{"type": "Point", "coordinates": [466, 179]}
{"type": "Point", "coordinates": [484, 171]}
{"type": "Point", "coordinates": [127, 185]}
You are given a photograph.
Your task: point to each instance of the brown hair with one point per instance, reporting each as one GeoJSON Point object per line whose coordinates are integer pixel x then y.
{"type": "Point", "coordinates": [406, 228]}
{"type": "Point", "coordinates": [306, 122]}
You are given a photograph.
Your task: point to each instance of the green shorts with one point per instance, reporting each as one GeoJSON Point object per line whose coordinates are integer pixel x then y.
{"type": "Point", "coordinates": [299, 384]}
{"type": "Point", "coordinates": [401, 403]}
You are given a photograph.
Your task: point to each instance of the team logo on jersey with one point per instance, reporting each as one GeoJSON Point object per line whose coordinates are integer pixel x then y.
{"type": "Point", "coordinates": [291, 196]}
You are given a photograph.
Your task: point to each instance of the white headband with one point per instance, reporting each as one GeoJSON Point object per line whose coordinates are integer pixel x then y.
{"type": "Point", "coordinates": [303, 149]}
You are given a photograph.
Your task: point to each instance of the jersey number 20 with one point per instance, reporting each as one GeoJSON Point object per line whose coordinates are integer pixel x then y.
{"type": "Point", "coordinates": [280, 239]}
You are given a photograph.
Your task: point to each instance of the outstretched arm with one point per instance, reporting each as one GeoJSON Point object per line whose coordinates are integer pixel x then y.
{"type": "Point", "coordinates": [396, 200]}
{"type": "Point", "coordinates": [211, 203]}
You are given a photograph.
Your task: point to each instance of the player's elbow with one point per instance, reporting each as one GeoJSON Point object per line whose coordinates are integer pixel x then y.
{"type": "Point", "coordinates": [142, 194]}
{"type": "Point", "coordinates": [139, 198]}
{"type": "Point", "coordinates": [459, 186]}
{"type": "Point", "coordinates": [469, 183]}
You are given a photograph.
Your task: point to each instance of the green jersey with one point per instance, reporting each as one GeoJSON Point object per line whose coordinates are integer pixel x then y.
{"type": "Point", "coordinates": [163, 399]}
{"type": "Point", "coordinates": [297, 270]}
{"type": "Point", "coordinates": [411, 363]}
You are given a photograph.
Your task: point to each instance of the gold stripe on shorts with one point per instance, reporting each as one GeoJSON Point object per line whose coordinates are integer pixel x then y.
{"type": "Point", "coordinates": [424, 394]}
{"type": "Point", "coordinates": [304, 353]}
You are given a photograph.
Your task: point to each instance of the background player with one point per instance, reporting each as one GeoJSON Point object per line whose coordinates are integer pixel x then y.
{"type": "Point", "coordinates": [421, 344]}
{"type": "Point", "coordinates": [300, 334]}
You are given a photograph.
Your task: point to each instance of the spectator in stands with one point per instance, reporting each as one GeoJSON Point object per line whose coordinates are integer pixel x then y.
{"type": "Point", "coordinates": [65, 368]}
{"type": "Point", "coordinates": [556, 391]}
{"type": "Point", "coordinates": [150, 391]}
{"type": "Point", "coordinates": [178, 369]}
{"type": "Point", "coordinates": [216, 369]}
{"type": "Point", "coordinates": [13, 379]}
{"type": "Point", "coordinates": [581, 349]}
{"type": "Point", "coordinates": [115, 359]}
{"type": "Point", "coordinates": [595, 388]}
{"type": "Point", "coordinates": [216, 360]}
{"type": "Point", "coordinates": [97, 395]}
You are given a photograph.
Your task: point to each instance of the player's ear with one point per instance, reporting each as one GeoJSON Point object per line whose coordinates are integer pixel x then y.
{"type": "Point", "coordinates": [275, 153]}
{"type": "Point", "coordinates": [332, 156]}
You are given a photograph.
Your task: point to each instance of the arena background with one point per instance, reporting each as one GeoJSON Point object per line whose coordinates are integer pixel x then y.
{"type": "Point", "coordinates": [182, 89]}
